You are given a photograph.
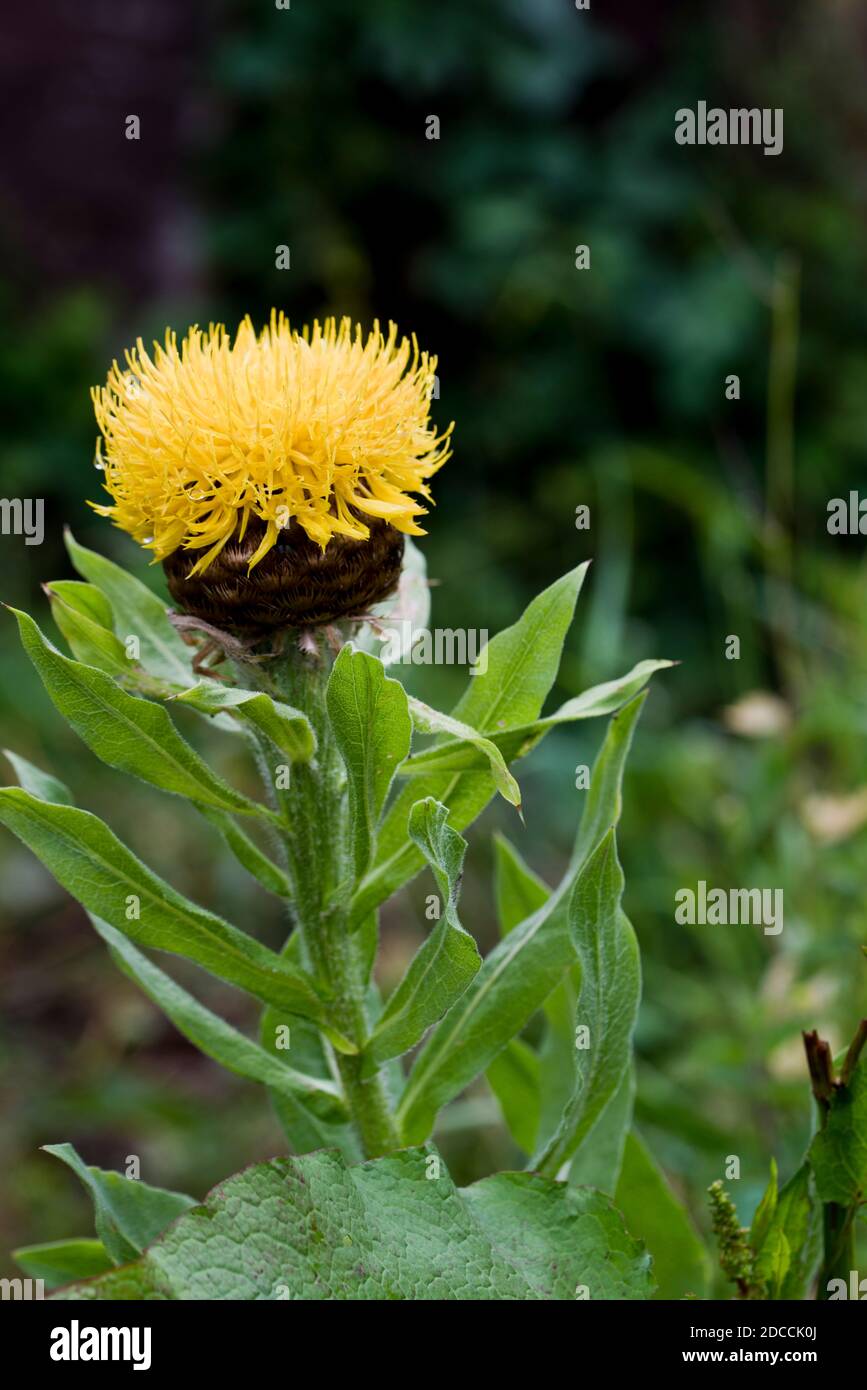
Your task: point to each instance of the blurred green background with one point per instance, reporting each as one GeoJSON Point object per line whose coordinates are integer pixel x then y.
{"type": "Point", "coordinates": [606, 387]}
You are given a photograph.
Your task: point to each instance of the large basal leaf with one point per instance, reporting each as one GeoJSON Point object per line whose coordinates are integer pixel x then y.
{"type": "Point", "coordinates": [838, 1153]}
{"type": "Point", "coordinates": [394, 1228]}
{"type": "Point", "coordinates": [370, 719]}
{"type": "Point", "coordinates": [517, 976]}
{"type": "Point", "coordinates": [135, 736]}
{"type": "Point", "coordinates": [607, 1005]}
{"type": "Point", "coordinates": [137, 613]}
{"type": "Point", "coordinates": [288, 729]}
{"type": "Point", "coordinates": [521, 666]}
{"type": "Point", "coordinates": [128, 1213]}
{"type": "Point", "coordinates": [216, 1038]}
{"type": "Point", "coordinates": [653, 1214]}
{"type": "Point", "coordinates": [447, 961]}
{"type": "Point", "coordinates": [92, 864]}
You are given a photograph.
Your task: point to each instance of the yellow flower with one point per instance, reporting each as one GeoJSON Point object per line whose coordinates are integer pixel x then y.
{"type": "Point", "coordinates": [320, 426]}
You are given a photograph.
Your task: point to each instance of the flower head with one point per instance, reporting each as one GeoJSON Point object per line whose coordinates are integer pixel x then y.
{"type": "Point", "coordinates": [321, 430]}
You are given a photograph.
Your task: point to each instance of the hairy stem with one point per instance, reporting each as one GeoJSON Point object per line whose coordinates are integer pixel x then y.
{"type": "Point", "coordinates": [315, 806]}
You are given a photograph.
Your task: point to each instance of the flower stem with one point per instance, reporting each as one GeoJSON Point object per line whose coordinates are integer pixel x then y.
{"type": "Point", "coordinates": [317, 838]}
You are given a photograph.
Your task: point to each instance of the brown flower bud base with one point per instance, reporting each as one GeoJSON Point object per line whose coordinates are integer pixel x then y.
{"type": "Point", "coordinates": [295, 585]}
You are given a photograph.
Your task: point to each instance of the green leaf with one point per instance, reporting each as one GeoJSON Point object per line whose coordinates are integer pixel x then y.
{"type": "Point", "coordinates": [432, 721]}
{"type": "Point", "coordinates": [38, 783]}
{"type": "Point", "coordinates": [90, 641]}
{"type": "Point", "coordinates": [60, 1261]}
{"type": "Point", "coordinates": [85, 599]}
{"type": "Point", "coordinates": [513, 1076]}
{"type": "Point", "coordinates": [518, 891]}
{"type": "Point", "coordinates": [137, 613]}
{"type": "Point", "coordinates": [128, 1213]}
{"type": "Point", "coordinates": [135, 736]}
{"type": "Point", "coordinates": [517, 976]}
{"type": "Point", "coordinates": [306, 1126]}
{"type": "Point", "coordinates": [247, 853]}
{"type": "Point", "coordinates": [92, 864]}
{"type": "Point", "coordinates": [602, 807]}
{"type": "Point", "coordinates": [288, 729]}
{"type": "Point", "coordinates": [445, 964]}
{"type": "Point", "coordinates": [599, 1158]}
{"type": "Point", "coordinates": [765, 1211]}
{"type": "Point", "coordinates": [655, 1216]}
{"type": "Point", "coordinates": [369, 715]}
{"type": "Point", "coordinates": [394, 1228]}
{"type": "Point", "coordinates": [216, 1038]}
{"type": "Point", "coordinates": [521, 665]}
{"type": "Point", "coordinates": [788, 1244]}
{"type": "Point", "coordinates": [838, 1153]}
{"type": "Point", "coordinates": [607, 1004]}
{"type": "Point", "coordinates": [461, 753]}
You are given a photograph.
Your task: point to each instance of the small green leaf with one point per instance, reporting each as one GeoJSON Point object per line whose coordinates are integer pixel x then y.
{"type": "Point", "coordinates": [135, 736]}
{"type": "Point", "coordinates": [518, 891]}
{"type": "Point", "coordinates": [520, 667]}
{"type": "Point", "coordinates": [128, 1214]}
{"type": "Point", "coordinates": [838, 1153]}
{"type": "Point", "coordinates": [247, 853]}
{"type": "Point", "coordinates": [513, 1076]}
{"type": "Point", "coordinates": [371, 723]}
{"type": "Point", "coordinates": [394, 1228]}
{"type": "Point", "coordinates": [213, 1036]}
{"type": "Point", "coordinates": [432, 721]}
{"type": "Point", "coordinates": [516, 977]}
{"type": "Point", "coordinates": [85, 599]}
{"type": "Point", "coordinates": [90, 862]}
{"type": "Point", "coordinates": [137, 613]}
{"type": "Point", "coordinates": [288, 729]}
{"type": "Point", "coordinates": [445, 964]}
{"type": "Point", "coordinates": [90, 642]}
{"type": "Point", "coordinates": [599, 1158]}
{"type": "Point", "coordinates": [765, 1211]}
{"type": "Point", "coordinates": [788, 1245]}
{"type": "Point", "coordinates": [60, 1261]}
{"type": "Point", "coordinates": [38, 783]}
{"type": "Point", "coordinates": [461, 753]}
{"type": "Point", "coordinates": [654, 1215]}
{"type": "Point", "coordinates": [607, 1004]}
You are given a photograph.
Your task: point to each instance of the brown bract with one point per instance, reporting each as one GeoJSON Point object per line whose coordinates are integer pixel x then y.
{"type": "Point", "coordinates": [296, 584]}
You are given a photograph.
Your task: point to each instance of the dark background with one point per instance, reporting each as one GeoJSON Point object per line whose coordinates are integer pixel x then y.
{"type": "Point", "coordinates": [306, 127]}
